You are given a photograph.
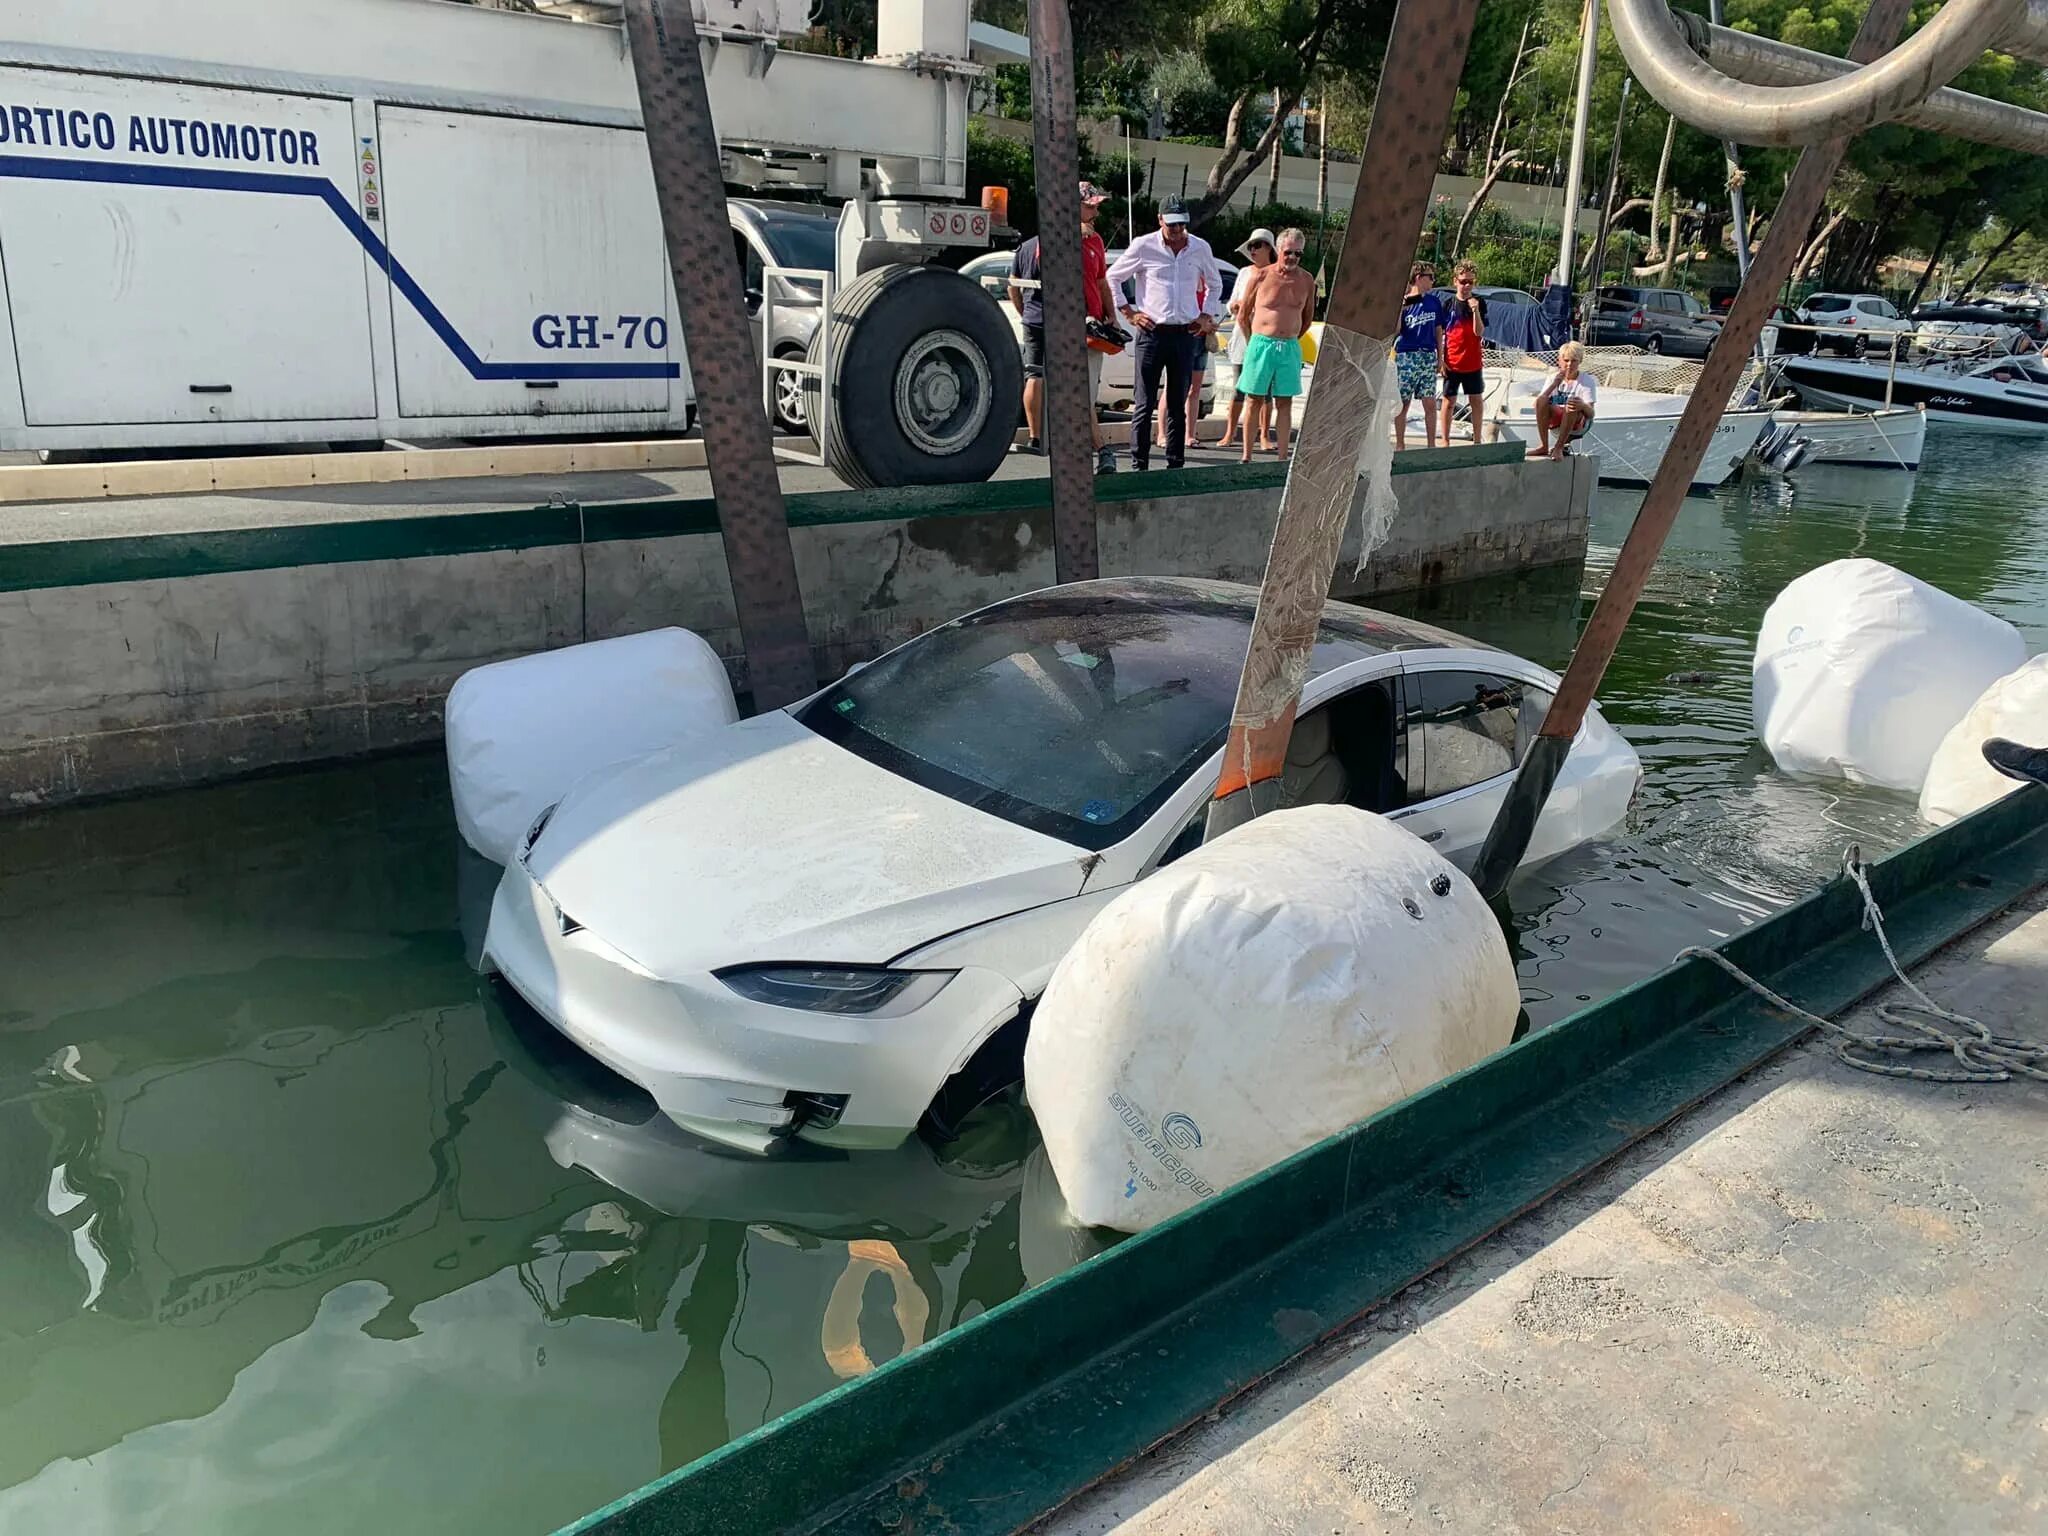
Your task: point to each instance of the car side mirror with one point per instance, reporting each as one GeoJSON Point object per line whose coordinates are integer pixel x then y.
{"type": "Point", "coordinates": [753, 299]}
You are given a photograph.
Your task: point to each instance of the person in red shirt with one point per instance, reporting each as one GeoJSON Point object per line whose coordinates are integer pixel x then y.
{"type": "Point", "coordinates": [1026, 296]}
{"type": "Point", "coordinates": [1464, 363]}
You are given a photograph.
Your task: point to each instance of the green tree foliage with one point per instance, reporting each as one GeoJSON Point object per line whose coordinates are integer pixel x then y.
{"type": "Point", "coordinates": [1255, 49]}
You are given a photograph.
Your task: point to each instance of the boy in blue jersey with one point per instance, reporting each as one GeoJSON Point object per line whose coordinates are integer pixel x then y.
{"type": "Point", "coordinates": [1419, 351]}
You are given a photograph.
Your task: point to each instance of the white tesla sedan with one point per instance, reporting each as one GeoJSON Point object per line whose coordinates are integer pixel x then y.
{"type": "Point", "coordinates": [832, 920]}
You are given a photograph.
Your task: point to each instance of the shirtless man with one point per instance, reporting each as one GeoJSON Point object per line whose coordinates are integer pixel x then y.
{"type": "Point", "coordinates": [1280, 303]}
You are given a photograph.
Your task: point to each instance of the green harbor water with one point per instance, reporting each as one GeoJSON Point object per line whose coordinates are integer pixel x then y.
{"type": "Point", "coordinates": [303, 1229]}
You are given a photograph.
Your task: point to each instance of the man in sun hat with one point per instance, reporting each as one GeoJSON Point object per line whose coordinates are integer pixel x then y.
{"type": "Point", "coordinates": [1029, 300]}
{"type": "Point", "coordinates": [1179, 295]}
{"type": "Point", "coordinates": [1257, 251]}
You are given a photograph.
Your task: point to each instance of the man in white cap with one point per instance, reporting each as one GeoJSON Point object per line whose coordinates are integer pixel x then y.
{"type": "Point", "coordinates": [1028, 297]}
{"type": "Point", "coordinates": [1258, 251]}
{"type": "Point", "coordinates": [1179, 296]}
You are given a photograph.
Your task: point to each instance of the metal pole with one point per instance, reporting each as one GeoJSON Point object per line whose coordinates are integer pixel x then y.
{"type": "Point", "coordinates": [1592, 304]}
{"type": "Point", "coordinates": [1069, 413]}
{"type": "Point", "coordinates": [1575, 170]}
{"type": "Point", "coordinates": [1411, 116]}
{"type": "Point", "coordinates": [1323, 161]}
{"type": "Point", "coordinates": [1737, 208]}
{"type": "Point", "coordinates": [682, 144]}
{"type": "Point", "coordinates": [1752, 60]}
{"type": "Point", "coordinates": [1654, 42]}
{"type": "Point", "coordinates": [1508, 839]}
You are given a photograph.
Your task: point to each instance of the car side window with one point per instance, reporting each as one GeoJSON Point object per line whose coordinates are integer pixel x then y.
{"type": "Point", "coordinates": [1187, 840]}
{"type": "Point", "coordinates": [1466, 727]}
{"type": "Point", "coordinates": [751, 267]}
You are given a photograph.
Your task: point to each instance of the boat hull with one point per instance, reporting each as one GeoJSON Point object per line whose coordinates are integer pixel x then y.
{"type": "Point", "coordinates": [1951, 399]}
{"type": "Point", "coordinates": [1630, 448]}
{"type": "Point", "coordinates": [1881, 439]}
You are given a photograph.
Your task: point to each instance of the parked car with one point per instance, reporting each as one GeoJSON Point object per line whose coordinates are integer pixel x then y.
{"type": "Point", "coordinates": [1959, 330]}
{"type": "Point", "coordinates": [1654, 319]}
{"type": "Point", "coordinates": [766, 234]}
{"type": "Point", "coordinates": [1854, 323]}
{"type": "Point", "coordinates": [1493, 295]}
{"type": "Point", "coordinates": [832, 921]}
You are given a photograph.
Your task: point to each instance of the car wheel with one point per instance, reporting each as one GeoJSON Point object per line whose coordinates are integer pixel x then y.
{"type": "Point", "coordinates": [792, 419]}
{"type": "Point", "coordinates": [1653, 343]}
{"type": "Point", "coordinates": [992, 1070]}
{"type": "Point", "coordinates": [1860, 347]}
{"type": "Point", "coordinates": [926, 380]}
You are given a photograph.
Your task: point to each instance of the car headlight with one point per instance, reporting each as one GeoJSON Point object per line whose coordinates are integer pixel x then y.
{"type": "Point", "coordinates": [871, 990]}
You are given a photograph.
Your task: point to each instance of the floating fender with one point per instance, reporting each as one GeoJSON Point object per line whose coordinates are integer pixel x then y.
{"type": "Point", "coordinates": [1265, 991]}
{"type": "Point", "coordinates": [1959, 781]}
{"type": "Point", "coordinates": [1861, 670]}
{"type": "Point", "coordinates": [520, 732]}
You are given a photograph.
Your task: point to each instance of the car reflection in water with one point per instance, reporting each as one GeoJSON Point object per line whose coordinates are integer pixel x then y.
{"type": "Point", "coordinates": [799, 1264]}
{"type": "Point", "coordinates": [392, 1211]}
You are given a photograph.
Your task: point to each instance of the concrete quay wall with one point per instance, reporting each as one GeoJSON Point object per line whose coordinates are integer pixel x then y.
{"type": "Point", "coordinates": [148, 662]}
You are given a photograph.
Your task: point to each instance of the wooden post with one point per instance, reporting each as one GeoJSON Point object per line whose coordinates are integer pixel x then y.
{"type": "Point", "coordinates": [1069, 412]}
{"type": "Point", "coordinates": [1411, 116]}
{"type": "Point", "coordinates": [738, 449]}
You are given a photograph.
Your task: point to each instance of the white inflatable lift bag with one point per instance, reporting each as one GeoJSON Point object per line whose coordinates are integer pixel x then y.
{"type": "Point", "coordinates": [1862, 669]}
{"type": "Point", "coordinates": [1248, 1000]}
{"type": "Point", "coordinates": [520, 732]}
{"type": "Point", "coordinates": [1959, 781]}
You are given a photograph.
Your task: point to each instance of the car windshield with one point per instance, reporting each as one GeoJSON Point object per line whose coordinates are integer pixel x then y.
{"type": "Point", "coordinates": [800, 240]}
{"type": "Point", "coordinates": [1075, 712]}
{"type": "Point", "coordinates": [1826, 303]}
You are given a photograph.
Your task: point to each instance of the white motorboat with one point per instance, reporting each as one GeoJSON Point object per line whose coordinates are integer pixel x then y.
{"type": "Point", "coordinates": [1885, 438]}
{"type": "Point", "coordinates": [1631, 431]}
{"type": "Point", "coordinates": [2000, 394]}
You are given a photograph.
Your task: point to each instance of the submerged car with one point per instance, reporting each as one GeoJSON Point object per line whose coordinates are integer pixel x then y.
{"type": "Point", "coordinates": [832, 921]}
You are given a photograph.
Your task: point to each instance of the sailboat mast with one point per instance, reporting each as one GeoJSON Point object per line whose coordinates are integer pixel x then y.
{"type": "Point", "coordinates": [1575, 170]}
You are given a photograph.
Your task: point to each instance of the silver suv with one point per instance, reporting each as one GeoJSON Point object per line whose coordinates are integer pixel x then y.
{"type": "Point", "coordinates": [766, 234]}
{"type": "Point", "coordinates": [1654, 319]}
{"type": "Point", "coordinates": [1855, 323]}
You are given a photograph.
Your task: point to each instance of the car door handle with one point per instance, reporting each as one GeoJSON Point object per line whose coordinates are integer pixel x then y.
{"type": "Point", "coordinates": [1433, 837]}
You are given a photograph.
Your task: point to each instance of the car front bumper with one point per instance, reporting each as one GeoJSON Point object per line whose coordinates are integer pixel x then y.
{"type": "Point", "coordinates": [738, 1072]}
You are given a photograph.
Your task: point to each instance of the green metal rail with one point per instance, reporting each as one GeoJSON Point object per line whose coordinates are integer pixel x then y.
{"type": "Point", "coordinates": [991, 1425]}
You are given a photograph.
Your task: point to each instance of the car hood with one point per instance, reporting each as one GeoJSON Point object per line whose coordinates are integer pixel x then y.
{"type": "Point", "coordinates": [763, 841]}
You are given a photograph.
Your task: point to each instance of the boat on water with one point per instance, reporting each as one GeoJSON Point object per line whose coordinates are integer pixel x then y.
{"type": "Point", "coordinates": [1632, 430]}
{"type": "Point", "coordinates": [1999, 394]}
{"type": "Point", "coordinates": [1888, 437]}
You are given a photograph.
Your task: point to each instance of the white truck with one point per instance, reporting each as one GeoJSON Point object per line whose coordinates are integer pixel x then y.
{"type": "Point", "coordinates": [233, 222]}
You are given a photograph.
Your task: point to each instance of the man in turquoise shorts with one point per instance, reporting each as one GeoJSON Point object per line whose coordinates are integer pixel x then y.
{"type": "Point", "coordinates": [1279, 304]}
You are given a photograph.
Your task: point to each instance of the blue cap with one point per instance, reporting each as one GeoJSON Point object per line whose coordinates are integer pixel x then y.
{"type": "Point", "coordinates": [1174, 210]}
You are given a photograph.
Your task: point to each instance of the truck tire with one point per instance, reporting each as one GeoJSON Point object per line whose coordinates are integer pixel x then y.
{"type": "Point", "coordinates": [926, 380]}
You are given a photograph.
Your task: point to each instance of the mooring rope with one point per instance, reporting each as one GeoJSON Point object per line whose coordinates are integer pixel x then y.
{"type": "Point", "coordinates": [1983, 1057]}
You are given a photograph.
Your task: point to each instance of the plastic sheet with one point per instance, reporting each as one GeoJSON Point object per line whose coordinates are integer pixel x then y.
{"type": "Point", "coordinates": [1861, 670]}
{"type": "Point", "coordinates": [1354, 377]}
{"type": "Point", "coordinates": [1959, 781]}
{"type": "Point", "coordinates": [520, 732]}
{"type": "Point", "coordinates": [1274, 986]}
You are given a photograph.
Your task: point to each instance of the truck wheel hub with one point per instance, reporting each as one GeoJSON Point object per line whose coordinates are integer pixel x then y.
{"type": "Point", "coordinates": [942, 392]}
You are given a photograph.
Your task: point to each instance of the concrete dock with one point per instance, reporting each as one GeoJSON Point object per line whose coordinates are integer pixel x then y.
{"type": "Point", "coordinates": [147, 643]}
{"type": "Point", "coordinates": [1818, 1303]}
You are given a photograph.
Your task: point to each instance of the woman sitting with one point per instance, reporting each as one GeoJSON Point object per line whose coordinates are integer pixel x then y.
{"type": "Point", "coordinates": [1565, 403]}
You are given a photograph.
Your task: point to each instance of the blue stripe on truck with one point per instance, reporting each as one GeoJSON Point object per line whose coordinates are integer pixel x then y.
{"type": "Point", "coordinates": [39, 168]}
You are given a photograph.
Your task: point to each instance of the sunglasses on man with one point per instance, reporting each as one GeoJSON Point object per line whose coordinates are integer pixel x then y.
{"type": "Point", "coordinates": [1290, 253]}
